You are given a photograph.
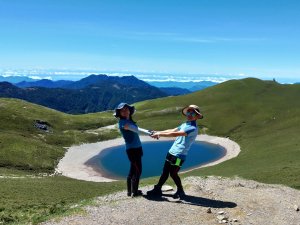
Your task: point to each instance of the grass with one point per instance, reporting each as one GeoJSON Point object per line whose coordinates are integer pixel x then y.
{"type": "Point", "coordinates": [26, 153]}
{"type": "Point", "coordinates": [36, 199]}
{"type": "Point", "coordinates": [44, 149]}
{"type": "Point", "coordinates": [262, 116]}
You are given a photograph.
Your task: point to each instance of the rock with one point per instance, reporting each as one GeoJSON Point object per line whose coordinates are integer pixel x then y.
{"type": "Point", "coordinates": [167, 188]}
{"type": "Point", "coordinates": [208, 210]}
{"type": "Point", "coordinates": [222, 217]}
{"type": "Point", "coordinates": [241, 185]}
{"type": "Point", "coordinates": [42, 125]}
{"type": "Point", "coordinates": [296, 207]}
{"type": "Point", "coordinates": [221, 212]}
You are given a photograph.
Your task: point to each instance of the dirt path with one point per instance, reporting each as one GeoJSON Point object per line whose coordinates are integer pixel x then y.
{"type": "Point", "coordinates": [211, 200]}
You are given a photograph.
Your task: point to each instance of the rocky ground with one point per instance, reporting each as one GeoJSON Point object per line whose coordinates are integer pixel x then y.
{"type": "Point", "coordinates": [212, 200]}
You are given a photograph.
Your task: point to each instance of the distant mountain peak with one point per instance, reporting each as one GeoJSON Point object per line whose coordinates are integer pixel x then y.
{"type": "Point", "coordinates": [101, 78]}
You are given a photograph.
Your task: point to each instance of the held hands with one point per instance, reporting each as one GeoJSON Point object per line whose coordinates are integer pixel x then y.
{"type": "Point", "coordinates": [155, 134]}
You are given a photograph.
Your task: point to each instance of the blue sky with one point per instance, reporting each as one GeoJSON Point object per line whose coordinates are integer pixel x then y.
{"type": "Point", "coordinates": [258, 38]}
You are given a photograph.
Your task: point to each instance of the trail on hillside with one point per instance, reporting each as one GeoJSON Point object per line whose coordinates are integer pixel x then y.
{"type": "Point", "coordinates": [211, 200]}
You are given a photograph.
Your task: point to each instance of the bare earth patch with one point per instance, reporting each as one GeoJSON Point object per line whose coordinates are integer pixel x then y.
{"type": "Point", "coordinates": [212, 200]}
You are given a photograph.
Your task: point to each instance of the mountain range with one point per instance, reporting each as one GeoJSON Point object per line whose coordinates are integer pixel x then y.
{"type": "Point", "coordinates": [91, 94]}
{"type": "Point", "coordinates": [170, 87]}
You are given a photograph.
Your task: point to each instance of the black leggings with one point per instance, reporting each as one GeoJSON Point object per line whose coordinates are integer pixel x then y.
{"type": "Point", "coordinates": [135, 158]}
{"type": "Point", "coordinates": [171, 169]}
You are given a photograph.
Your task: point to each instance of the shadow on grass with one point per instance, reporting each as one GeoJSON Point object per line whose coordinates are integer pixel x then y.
{"type": "Point", "coordinates": [193, 200]}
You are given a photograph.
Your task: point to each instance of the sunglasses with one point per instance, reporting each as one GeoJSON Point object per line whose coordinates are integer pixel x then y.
{"type": "Point", "coordinates": [191, 113]}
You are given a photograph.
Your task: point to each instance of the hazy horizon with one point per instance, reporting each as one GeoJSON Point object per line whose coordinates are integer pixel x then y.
{"type": "Point", "coordinates": [75, 75]}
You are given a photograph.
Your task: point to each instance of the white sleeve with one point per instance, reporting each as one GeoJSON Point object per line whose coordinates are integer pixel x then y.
{"type": "Point", "coordinates": [137, 129]}
{"type": "Point", "coordinates": [133, 128]}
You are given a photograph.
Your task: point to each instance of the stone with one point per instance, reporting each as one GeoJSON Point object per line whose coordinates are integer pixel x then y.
{"type": "Point", "coordinates": [222, 217]}
{"type": "Point", "coordinates": [42, 125]}
{"type": "Point", "coordinates": [296, 207]}
{"type": "Point", "coordinates": [167, 188]}
{"type": "Point", "coordinates": [208, 210]}
{"type": "Point", "coordinates": [241, 185]}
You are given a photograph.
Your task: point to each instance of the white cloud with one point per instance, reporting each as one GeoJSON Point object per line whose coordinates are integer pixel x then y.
{"type": "Point", "coordinates": [40, 78]}
{"type": "Point", "coordinates": [146, 76]}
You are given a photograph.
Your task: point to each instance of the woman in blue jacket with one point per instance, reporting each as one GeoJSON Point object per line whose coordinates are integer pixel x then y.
{"type": "Point", "coordinates": [129, 131]}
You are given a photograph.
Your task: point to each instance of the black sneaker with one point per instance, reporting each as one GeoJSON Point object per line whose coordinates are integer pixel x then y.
{"type": "Point", "coordinates": [156, 191]}
{"type": "Point", "coordinates": [179, 194]}
{"type": "Point", "coordinates": [138, 193]}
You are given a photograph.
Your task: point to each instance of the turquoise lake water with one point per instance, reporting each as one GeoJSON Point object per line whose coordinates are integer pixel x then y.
{"type": "Point", "coordinates": [115, 164]}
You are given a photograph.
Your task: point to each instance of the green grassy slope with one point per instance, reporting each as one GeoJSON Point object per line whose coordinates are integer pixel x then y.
{"type": "Point", "coordinates": [25, 151]}
{"type": "Point", "coordinates": [262, 116]}
{"type": "Point", "coordinates": [33, 200]}
{"type": "Point", "coordinates": [25, 147]}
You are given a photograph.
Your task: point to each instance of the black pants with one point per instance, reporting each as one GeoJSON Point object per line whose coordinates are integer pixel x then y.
{"type": "Point", "coordinates": [135, 171]}
{"type": "Point", "coordinates": [171, 167]}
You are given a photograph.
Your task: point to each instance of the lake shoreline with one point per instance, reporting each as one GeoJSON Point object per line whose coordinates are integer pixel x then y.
{"type": "Point", "coordinates": [75, 164]}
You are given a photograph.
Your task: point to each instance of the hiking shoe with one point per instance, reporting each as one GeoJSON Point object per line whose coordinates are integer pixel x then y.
{"type": "Point", "coordinates": [179, 194]}
{"type": "Point", "coordinates": [156, 191]}
{"type": "Point", "coordinates": [138, 193]}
